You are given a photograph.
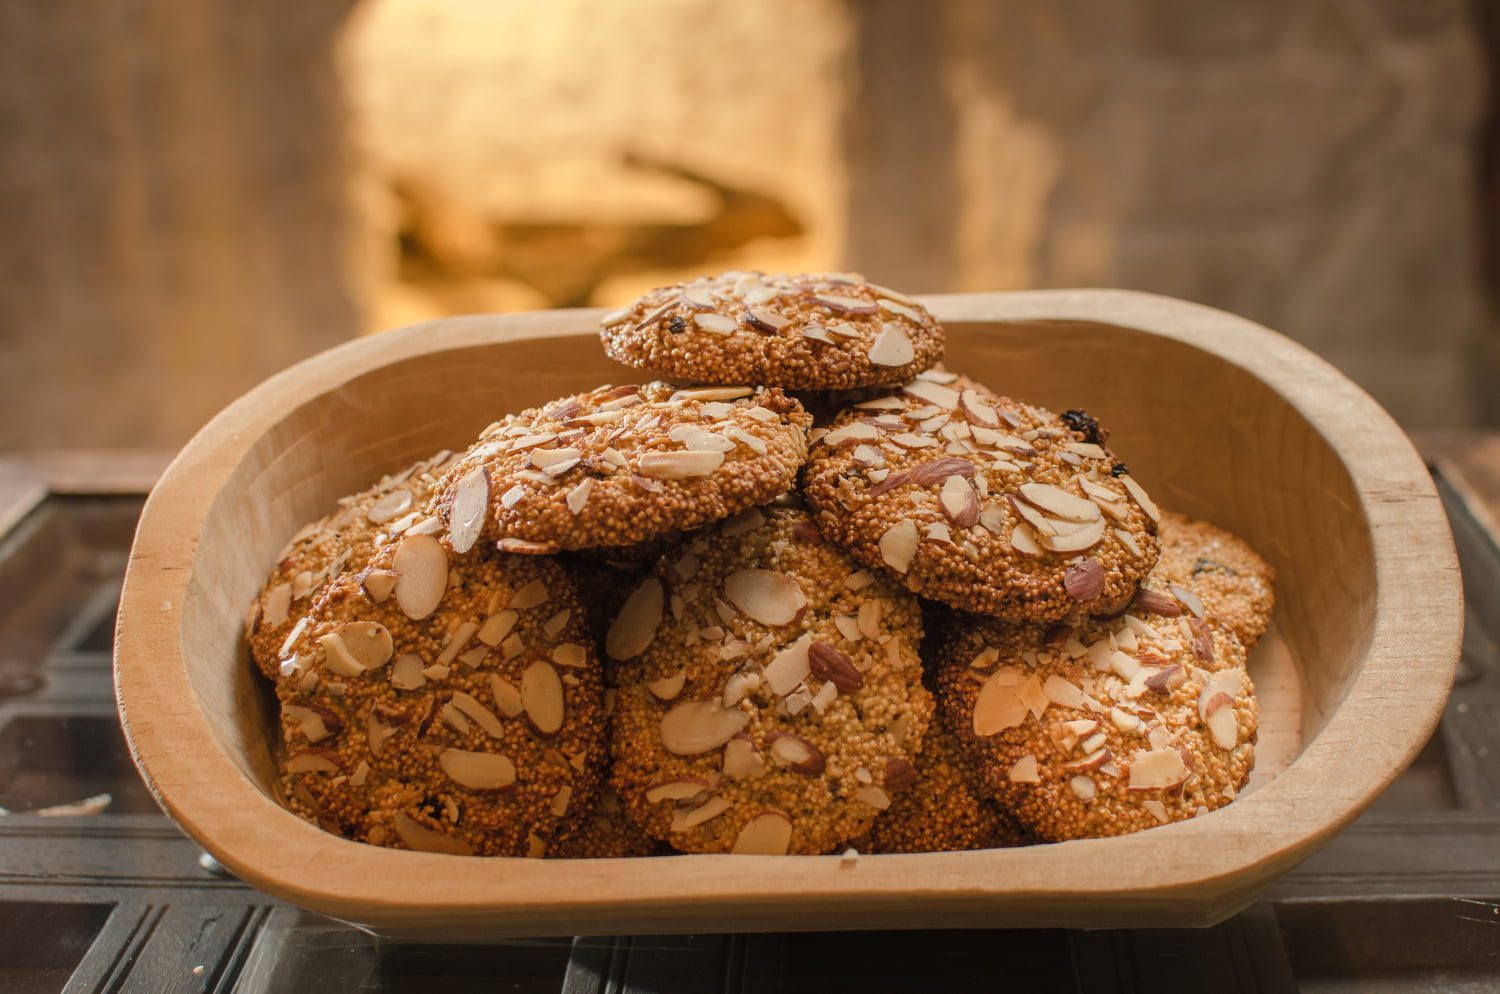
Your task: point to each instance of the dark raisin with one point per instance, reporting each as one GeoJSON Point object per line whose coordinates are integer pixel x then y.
{"type": "Point", "coordinates": [1083, 422]}
{"type": "Point", "coordinates": [1204, 565]}
{"type": "Point", "coordinates": [1119, 469]}
{"type": "Point", "coordinates": [676, 326]}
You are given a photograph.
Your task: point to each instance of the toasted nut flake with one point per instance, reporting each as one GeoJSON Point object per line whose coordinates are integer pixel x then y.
{"type": "Point", "coordinates": [789, 667]}
{"type": "Point", "coordinates": [542, 695]}
{"type": "Point", "coordinates": [338, 658]}
{"type": "Point", "coordinates": [683, 789]}
{"type": "Point", "coordinates": [390, 505]}
{"type": "Point", "coordinates": [743, 523]}
{"type": "Point", "coordinates": [686, 818]}
{"type": "Point", "coordinates": [1159, 769]}
{"type": "Point", "coordinates": [578, 497]}
{"type": "Point", "coordinates": [771, 598]}
{"type": "Point", "coordinates": [1062, 692]}
{"type": "Point", "coordinates": [1093, 761]}
{"type": "Point", "coordinates": [852, 433]}
{"type": "Point", "coordinates": [1148, 601]}
{"type": "Point", "coordinates": [1083, 788]}
{"type": "Point", "coordinates": [1189, 599]}
{"type": "Point", "coordinates": [1024, 540]}
{"type": "Point", "coordinates": [1217, 710]}
{"type": "Point", "coordinates": [278, 604]}
{"type": "Point", "coordinates": [1085, 537]}
{"type": "Point", "coordinates": [471, 500]}
{"type": "Point", "coordinates": [696, 727]}
{"type": "Point", "coordinates": [892, 347]}
{"type": "Point", "coordinates": [1141, 498]}
{"type": "Point", "coordinates": [571, 655]}
{"type": "Point", "coordinates": [376, 583]}
{"type": "Point", "coordinates": [959, 502]}
{"type": "Point", "coordinates": [635, 626]}
{"type": "Point", "coordinates": [899, 544]}
{"type": "Point", "coordinates": [668, 687]}
{"type": "Point", "coordinates": [477, 770]}
{"type": "Point", "coordinates": [795, 753]}
{"type": "Point", "coordinates": [941, 470]}
{"type": "Point", "coordinates": [422, 563]}
{"type": "Point", "coordinates": [1024, 770]}
{"type": "Point", "coordinates": [999, 705]}
{"type": "Point", "coordinates": [841, 304]}
{"type": "Point", "coordinates": [716, 323]}
{"type": "Point", "coordinates": [767, 834]}
{"type": "Point", "coordinates": [406, 673]}
{"type": "Point", "coordinates": [478, 713]}
{"type": "Point", "coordinates": [679, 465]}
{"type": "Point", "coordinates": [1202, 643]}
{"type": "Point", "coordinates": [741, 761]}
{"type": "Point", "coordinates": [533, 594]}
{"type": "Point", "coordinates": [314, 722]}
{"type": "Point", "coordinates": [423, 839]}
{"type": "Point", "coordinates": [874, 797]}
{"type": "Point", "coordinates": [765, 319]}
{"type": "Point", "coordinates": [507, 697]}
{"type": "Point", "coordinates": [1058, 502]}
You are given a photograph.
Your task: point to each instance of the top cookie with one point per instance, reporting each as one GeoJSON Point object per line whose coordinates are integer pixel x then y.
{"type": "Point", "coordinates": [982, 502]}
{"type": "Point", "coordinates": [1216, 575]}
{"type": "Point", "coordinates": [805, 332]}
{"type": "Point", "coordinates": [322, 550]}
{"type": "Point", "coordinates": [622, 465]}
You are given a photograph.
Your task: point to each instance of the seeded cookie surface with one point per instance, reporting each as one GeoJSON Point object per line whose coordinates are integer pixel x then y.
{"type": "Point", "coordinates": [623, 465]}
{"type": "Point", "coordinates": [981, 502]}
{"type": "Point", "coordinates": [1217, 575]}
{"type": "Point", "coordinates": [444, 704]}
{"type": "Point", "coordinates": [943, 809]}
{"type": "Point", "coordinates": [1105, 728]}
{"type": "Point", "coordinates": [770, 696]}
{"type": "Point", "coordinates": [325, 548]}
{"type": "Point", "coordinates": [806, 332]}
{"type": "Point", "coordinates": [607, 833]}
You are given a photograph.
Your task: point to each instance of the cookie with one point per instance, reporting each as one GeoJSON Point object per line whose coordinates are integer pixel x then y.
{"type": "Point", "coordinates": [1105, 728]}
{"type": "Point", "coordinates": [443, 703]}
{"type": "Point", "coordinates": [1214, 574]}
{"type": "Point", "coordinates": [772, 702]}
{"type": "Point", "coordinates": [806, 332]}
{"type": "Point", "coordinates": [623, 465]}
{"type": "Point", "coordinates": [943, 810]}
{"type": "Point", "coordinates": [984, 503]}
{"type": "Point", "coordinates": [607, 833]}
{"type": "Point", "coordinates": [323, 549]}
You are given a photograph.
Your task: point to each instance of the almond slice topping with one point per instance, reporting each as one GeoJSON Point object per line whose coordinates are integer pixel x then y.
{"type": "Point", "coordinates": [477, 770]}
{"type": "Point", "coordinates": [542, 695]}
{"type": "Point", "coordinates": [635, 626]}
{"type": "Point", "coordinates": [422, 563]}
{"type": "Point", "coordinates": [891, 347]}
{"type": "Point", "coordinates": [471, 499]}
{"type": "Point", "coordinates": [683, 465]}
{"type": "Point", "coordinates": [771, 598]}
{"type": "Point", "coordinates": [899, 544]}
{"type": "Point", "coordinates": [767, 834]}
{"type": "Point", "coordinates": [696, 727]}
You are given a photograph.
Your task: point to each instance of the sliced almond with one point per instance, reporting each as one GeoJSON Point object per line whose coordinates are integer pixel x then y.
{"type": "Point", "coordinates": [976, 411]}
{"type": "Point", "coordinates": [680, 790]}
{"type": "Point", "coordinates": [1062, 692]}
{"type": "Point", "coordinates": [496, 627]}
{"type": "Point", "coordinates": [1093, 761]}
{"type": "Point", "coordinates": [1024, 770]}
{"type": "Point", "coordinates": [315, 723]}
{"type": "Point", "coordinates": [478, 713]}
{"type": "Point", "coordinates": [278, 605]}
{"type": "Point", "coordinates": [471, 500]}
{"type": "Point", "coordinates": [378, 583]}
{"type": "Point", "coordinates": [1085, 537]}
{"type": "Point", "coordinates": [668, 687]}
{"type": "Point", "coordinates": [390, 505]}
{"type": "Point", "coordinates": [1217, 710]}
{"type": "Point", "coordinates": [899, 544]}
{"type": "Point", "coordinates": [423, 839]}
{"type": "Point", "coordinates": [771, 598]}
{"type": "Point", "coordinates": [338, 658]}
{"type": "Point", "coordinates": [1159, 769]}
{"type": "Point", "coordinates": [1083, 788]}
{"type": "Point", "coordinates": [696, 727]}
{"type": "Point", "coordinates": [891, 347]}
{"type": "Point", "coordinates": [743, 523]}
{"type": "Point", "coordinates": [1189, 599]}
{"type": "Point", "coordinates": [874, 796]}
{"type": "Point", "coordinates": [795, 753]}
{"type": "Point", "coordinates": [695, 439]}
{"type": "Point", "coordinates": [477, 770]}
{"type": "Point", "coordinates": [741, 761]}
{"type": "Point", "coordinates": [841, 304]}
{"type": "Point", "coordinates": [739, 686]}
{"type": "Point", "coordinates": [767, 834]}
{"type": "Point", "coordinates": [542, 695]}
{"type": "Point", "coordinates": [578, 497]}
{"type": "Point", "coordinates": [686, 818]}
{"type": "Point", "coordinates": [635, 626]}
{"type": "Point", "coordinates": [1024, 540]}
{"type": "Point", "coordinates": [422, 563]}
{"type": "Point", "coordinates": [406, 673]}
{"type": "Point", "coordinates": [1058, 502]}
{"type": "Point", "coordinates": [999, 705]}
{"type": "Point", "coordinates": [676, 465]}
{"type": "Point", "coordinates": [1149, 601]}
{"type": "Point", "coordinates": [1084, 579]}
{"type": "Point", "coordinates": [789, 667]}
{"type": "Point", "coordinates": [719, 324]}
{"type": "Point", "coordinates": [1141, 498]}
{"type": "Point", "coordinates": [507, 697]}
{"type": "Point", "coordinates": [934, 393]}
{"type": "Point", "coordinates": [959, 502]}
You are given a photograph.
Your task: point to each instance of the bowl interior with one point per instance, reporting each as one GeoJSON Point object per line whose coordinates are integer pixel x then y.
{"type": "Point", "coordinates": [1205, 437]}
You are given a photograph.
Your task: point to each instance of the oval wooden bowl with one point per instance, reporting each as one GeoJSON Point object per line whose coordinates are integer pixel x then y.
{"type": "Point", "coordinates": [1219, 417]}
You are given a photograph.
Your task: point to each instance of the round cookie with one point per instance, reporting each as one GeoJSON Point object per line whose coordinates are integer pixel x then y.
{"type": "Point", "coordinates": [323, 549]}
{"type": "Point", "coordinates": [444, 704]}
{"type": "Point", "coordinates": [1216, 575]}
{"type": "Point", "coordinates": [772, 701]}
{"type": "Point", "coordinates": [623, 465]}
{"type": "Point", "coordinates": [607, 833]}
{"type": "Point", "coordinates": [984, 503]}
{"type": "Point", "coordinates": [811, 331]}
{"type": "Point", "coordinates": [944, 811]}
{"type": "Point", "coordinates": [1102, 729]}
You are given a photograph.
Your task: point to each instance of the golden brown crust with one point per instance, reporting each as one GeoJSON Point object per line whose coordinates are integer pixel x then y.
{"type": "Point", "coordinates": [624, 465]}
{"type": "Point", "coordinates": [951, 489]}
{"type": "Point", "coordinates": [1235, 586]}
{"type": "Point", "coordinates": [1105, 728]}
{"type": "Point", "coordinates": [944, 810]}
{"type": "Point", "coordinates": [817, 662]}
{"type": "Point", "coordinates": [321, 550]}
{"type": "Point", "coordinates": [425, 741]}
{"type": "Point", "coordinates": [816, 331]}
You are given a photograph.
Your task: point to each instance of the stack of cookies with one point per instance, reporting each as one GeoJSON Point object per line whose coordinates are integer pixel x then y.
{"type": "Point", "coordinates": [680, 616]}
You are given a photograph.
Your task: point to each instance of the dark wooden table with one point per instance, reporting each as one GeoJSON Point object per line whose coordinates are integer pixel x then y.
{"type": "Point", "coordinates": [99, 892]}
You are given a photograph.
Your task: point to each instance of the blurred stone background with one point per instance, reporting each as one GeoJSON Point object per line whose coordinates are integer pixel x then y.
{"type": "Point", "coordinates": [198, 194]}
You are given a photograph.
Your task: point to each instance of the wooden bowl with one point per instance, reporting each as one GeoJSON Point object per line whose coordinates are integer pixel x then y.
{"type": "Point", "coordinates": [1219, 417]}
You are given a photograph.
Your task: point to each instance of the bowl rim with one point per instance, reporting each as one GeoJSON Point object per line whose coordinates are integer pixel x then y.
{"type": "Point", "coordinates": [1400, 688]}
